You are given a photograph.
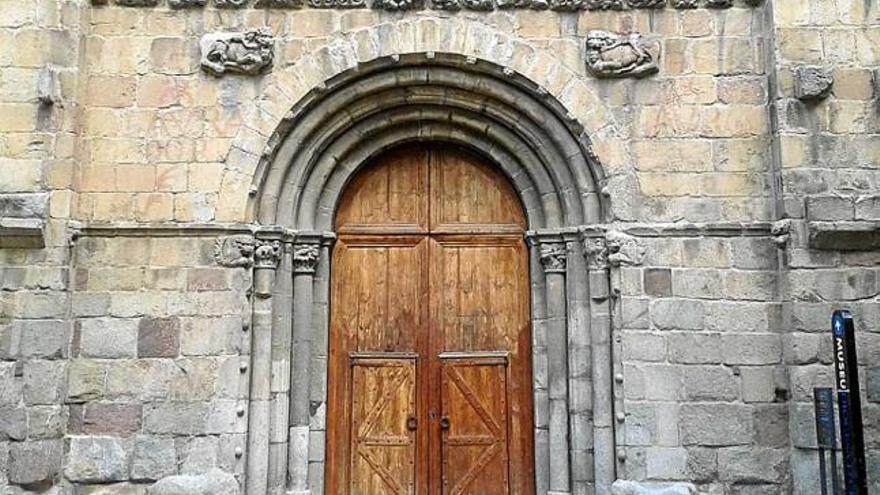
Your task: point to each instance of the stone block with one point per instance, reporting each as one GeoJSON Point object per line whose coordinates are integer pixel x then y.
{"type": "Point", "coordinates": [708, 383]}
{"type": "Point", "coordinates": [159, 337]}
{"type": "Point", "coordinates": [153, 458]}
{"type": "Point", "coordinates": [86, 380]}
{"type": "Point", "coordinates": [752, 349]}
{"type": "Point", "coordinates": [752, 465]}
{"type": "Point", "coordinates": [108, 418]}
{"type": "Point", "coordinates": [868, 208]}
{"type": "Point", "coordinates": [32, 463]}
{"type": "Point", "coordinates": [41, 338]}
{"type": "Point", "coordinates": [634, 313]}
{"type": "Point", "coordinates": [108, 338]}
{"type": "Point", "coordinates": [823, 207]}
{"type": "Point", "coordinates": [98, 459]}
{"type": "Point", "coordinates": [872, 384]}
{"type": "Point", "coordinates": [772, 425]}
{"type": "Point", "coordinates": [812, 82]}
{"type": "Point", "coordinates": [695, 348]}
{"type": "Point", "coordinates": [181, 418]}
{"type": "Point", "coordinates": [697, 283]}
{"type": "Point", "coordinates": [671, 314]}
{"type": "Point", "coordinates": [643, 346]}
{"type": "Point", "coordinates": [702, 464]}
{"type": "Point", "coordinates": [13, 423]}
{"type": "Point", "coordinates": [214, 482]}
{"type": "Point", "coordinates": [45, 422]}
{"type": "Point", "coordinates": [758, 383]}
{"type": "Point", "coordinates": [716, 424]}
{"type": "Point", "coordinates": [197, 454]}
{"type": "Point", "coordinates": [658, 282]}
{"type": "Point", "coordinates": [666, 463]}
{"type": "Point", "coordinates": [44, 381]}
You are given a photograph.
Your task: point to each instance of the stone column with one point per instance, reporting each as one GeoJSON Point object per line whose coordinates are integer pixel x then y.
{"type": "Point", "coordinates": [267, 255]}
{"type": "Point", "coordinates": [306, 253]}
{"type": "Point", "coordinates": [580, 397]}
{"type": "Point", "coordinates": [554, 255]}
{"type": "Point", "coordinates": [596, 253]}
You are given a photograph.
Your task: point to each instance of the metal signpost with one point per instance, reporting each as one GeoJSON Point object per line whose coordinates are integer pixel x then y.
{"type": "Point", "coordinates": [852, 439]}
{"type": "Point", "coordinates": [823, 398]}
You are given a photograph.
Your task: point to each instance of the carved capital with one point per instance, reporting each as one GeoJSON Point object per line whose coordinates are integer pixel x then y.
{"type": "Point", "coordinates": [267, 254]}
{"type": "Point", "coordinates": [624, 249]}
{"type": "Point", "coordinates": [250, 52]}
{"type": "Point", "coordinates": [781, 232]}
{"type": "Point", "coordinates": [596, 253]}
{"type": "Point", "coordinates": [620, 55]}
{"type": "Point", "coordinates": [553, 257]}
{"type": "Point", "coordinates": [305, 257]}
{"type": "Point", "coordinates": [235, 251]}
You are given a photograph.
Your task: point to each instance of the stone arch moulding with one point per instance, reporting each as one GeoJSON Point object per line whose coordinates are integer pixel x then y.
{"type": "Point", "coordinates": [544, 152]}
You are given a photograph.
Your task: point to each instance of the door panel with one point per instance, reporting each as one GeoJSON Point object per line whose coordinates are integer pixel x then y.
{"type": "Point", "coordinates": [429, 319]}
{"type": "Point", "coordinates": [383, 415]}
{"type": "Point", "coordinates": [474, 425]}
{"type": "Point", "coordinates": [388, 197]}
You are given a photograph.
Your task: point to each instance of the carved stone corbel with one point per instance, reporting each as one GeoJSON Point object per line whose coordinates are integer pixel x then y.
{"type": "Point", "coordinates": [624, 249]}
{"type": "Point", "coordinates": [781, 232]}
{"type": "Point", "coordinates": [234, 251]}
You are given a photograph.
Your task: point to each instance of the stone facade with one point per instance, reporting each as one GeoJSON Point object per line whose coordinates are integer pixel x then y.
{"type": "Point", "coordinates": [164, 244]}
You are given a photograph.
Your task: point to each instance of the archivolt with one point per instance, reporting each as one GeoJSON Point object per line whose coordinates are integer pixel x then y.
{"type": "Point", "coordinates": [359, 113]}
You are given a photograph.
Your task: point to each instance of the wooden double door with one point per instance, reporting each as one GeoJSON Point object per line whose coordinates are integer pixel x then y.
{"type": "Point", "coordinates": [429, 387]}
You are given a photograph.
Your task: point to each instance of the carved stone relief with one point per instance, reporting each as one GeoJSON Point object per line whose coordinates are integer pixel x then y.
{"type": "Point", "coordinates": [230, 4]}
{"type": "Point", "coordinates": [250, 52]}
{"type": "Point", "coordinates": [267, 254]}
{"type": "Point", "coordinates": [459, 4]}
{"type": "Point", "coordinates": [624, 249]}
{"type": "Point", "coordinates": [605, 4]}
{"type": "Point", "coordinates": [396, 4]}
{"type": "Point", "coordinates": [234, 251]}
{"type": "Point", "coordinates": [646, 4]}
{"type": "Point", "coordinates": [337, 4]}
{"type": "Point", "coordinates": [305, 257]}
{"type": "Point", "coordinates": [596, 253]}
{"type": "Point", "coordinates": [684, 4]}
{"type": "Point", "coordinates": [781, 232]}
{"type": "Point", "coordinates": [553, 257]}
{"type": "Point", "coordinates": [279, 4]}
{"type": "Point", "coordinates": [620, 55]}
{"type": "Point", "coordinates": [719, 4]}
{"type": "Point", "coordinates": [186, 4]}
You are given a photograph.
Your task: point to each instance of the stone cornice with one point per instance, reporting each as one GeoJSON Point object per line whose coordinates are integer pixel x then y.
{"type": "Point", "coordinates": [441, 5]}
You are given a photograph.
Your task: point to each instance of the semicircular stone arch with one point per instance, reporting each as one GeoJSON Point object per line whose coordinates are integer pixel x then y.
{"type": "Point", "coordinates": [440, 97]}
{"type": "Point", "coordinates": [321, 143]}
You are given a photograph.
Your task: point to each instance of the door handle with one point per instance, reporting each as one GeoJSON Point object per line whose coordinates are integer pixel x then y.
{"type": "Point", "coordinates": [444, 423]}
{"type": "Point", "coordinates": [412, 423]}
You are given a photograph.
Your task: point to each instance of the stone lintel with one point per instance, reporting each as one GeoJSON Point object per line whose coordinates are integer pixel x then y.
{"type": "Point", "coordinates": [844, 236]}
{"type": "Point", "coordinates": [22, 233]}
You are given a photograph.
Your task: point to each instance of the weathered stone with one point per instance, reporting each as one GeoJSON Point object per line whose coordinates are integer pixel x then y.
{"type": "Point", "coordinates": [646, 4]}
{"type": "Point", "coordinates": [751, 465]}
{"type": "Point", "coordinates": [35, 463]}
{"type": "Point", "coordinates": [44, 381]}
{"type": "Point", "coordinates": [13, 423]}
{"type": "Point", "coordinates": [625, 487]}
{"type": "Point", "coordinates": [251, 52]}
{"type": "Point", "coordinates": [812, 82]}
{"type": "Point", "coordinates": [154, 458]}
{"type": "Point", "coordinates": [158, 337]}
{"type": "Point", "coordinates": [872, 385]}
{"type": "Point", "coordinates": [668, 314]}
{"type": "Point", "coordinates": [616, 55]}
{"type": "Point", "coordinates": [716, 424]}
{"type": "Point", "coordinates": [98, 459]}
{"type": "Point", "coordinates": [214, 482]}
{"type": "Point", "coordinates": [184, 4]}
{"type": "Point", "coordinates": [658, 282]}
{"type": "Point", "coordinates": [108, 338]}
{"type": "Point", "coordinates": [111, 418]}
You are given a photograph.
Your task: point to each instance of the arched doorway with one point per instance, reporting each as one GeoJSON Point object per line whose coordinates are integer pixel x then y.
{"type": "Point", "coordinates": [429, 384]}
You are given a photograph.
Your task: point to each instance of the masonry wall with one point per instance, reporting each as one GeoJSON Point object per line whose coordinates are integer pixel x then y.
{"type": "Point", "coordinates": [124, 354]}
